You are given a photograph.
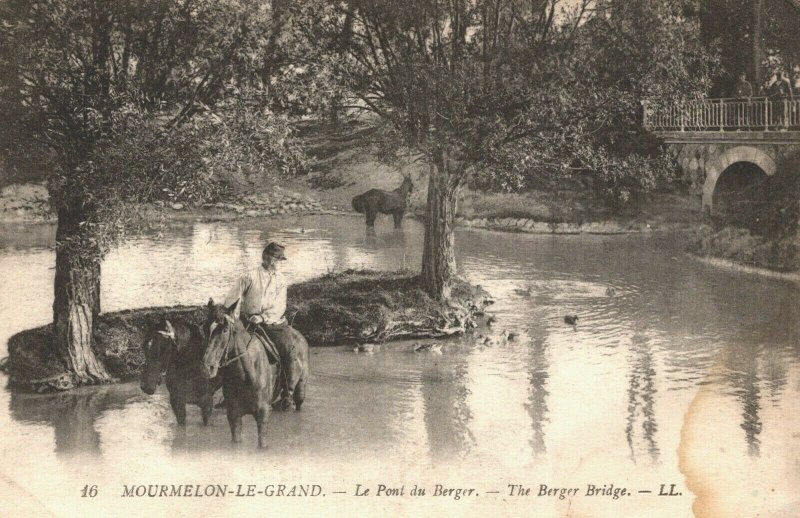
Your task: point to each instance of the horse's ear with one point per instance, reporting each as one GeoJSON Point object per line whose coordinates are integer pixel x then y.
{"type": "Point", "coordinates": [210, 303]}
{"type": "Point", "coordinates": [168, 331]}
{"type": "Point", "coordinates": [230, 309]}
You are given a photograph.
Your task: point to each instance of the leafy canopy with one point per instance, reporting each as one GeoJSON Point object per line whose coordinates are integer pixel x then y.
{"type": "Point", "coordinates": [525, 92]}
{"type": "Point", "coordinates": [134, 100]}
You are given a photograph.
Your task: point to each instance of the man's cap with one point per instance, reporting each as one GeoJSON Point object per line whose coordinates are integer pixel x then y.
{"type": "Point", "coordinates": [275, 250]}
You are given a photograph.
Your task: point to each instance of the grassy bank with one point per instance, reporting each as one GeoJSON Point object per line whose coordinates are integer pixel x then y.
{"type": "Point", "coordinates": [740, 246]}
{"type": "Point", "coordinates": [347, 307]}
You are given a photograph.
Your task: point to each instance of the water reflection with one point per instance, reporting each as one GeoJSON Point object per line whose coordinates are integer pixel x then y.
{"type": "Point", "coordinates": [446, 413]}
{"type": "Point", "coordinates": [72, 415]}
{"type": "Point", "coordinates": [537, 390]}
{"type": "Point", "coordinates": [775, 374]}
{"type": "Point", "coordinates": [641, 397]}
{"type": "Point", "coordinates": [742, 375]}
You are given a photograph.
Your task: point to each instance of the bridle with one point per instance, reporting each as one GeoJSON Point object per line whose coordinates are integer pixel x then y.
{"type": "Point", "coordinates": [165, 364]}
{"type": "Point", "coordinates": [223, 362]}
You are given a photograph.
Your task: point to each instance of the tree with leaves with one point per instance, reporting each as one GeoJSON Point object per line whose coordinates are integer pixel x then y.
{"type": "Point", "coordinates": [747, 34]}
{"type": "Point", "coordinates": [126, 102]}
{"type": "Point", "coordinates": [509, 88]}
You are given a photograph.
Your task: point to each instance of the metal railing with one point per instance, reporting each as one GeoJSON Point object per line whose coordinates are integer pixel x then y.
{"type": "Point", "coordinates": [729, 114]}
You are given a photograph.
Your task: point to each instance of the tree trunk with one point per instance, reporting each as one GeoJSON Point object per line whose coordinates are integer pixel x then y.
{"type": "Point", "coordinates": [76, 300]}
{"type": "Point", "coordinates": [758, 28]}
{"type": "Point", "coordinates": [281, 15]}
{"type": "Point", "coordinates": [438, 256]}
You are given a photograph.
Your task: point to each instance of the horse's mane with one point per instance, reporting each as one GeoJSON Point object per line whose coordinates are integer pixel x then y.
{"type": "Point", "coordinates": [197, 339]}
{"type": "Point", "coordinates": [189, 337]}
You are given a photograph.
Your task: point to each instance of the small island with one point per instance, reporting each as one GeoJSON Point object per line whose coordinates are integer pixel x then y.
{"type": "Point", "coordinates": [353, 306]}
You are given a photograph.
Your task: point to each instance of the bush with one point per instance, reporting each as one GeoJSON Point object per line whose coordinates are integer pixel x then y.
{"type": "Point", "coordinates": [623, 181]}
{"type": "Point", "coordinates": [741, 246]}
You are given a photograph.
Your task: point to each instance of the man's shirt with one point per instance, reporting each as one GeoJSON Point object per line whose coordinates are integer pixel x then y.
{"type": "Point", "coordinates": [260, 292]}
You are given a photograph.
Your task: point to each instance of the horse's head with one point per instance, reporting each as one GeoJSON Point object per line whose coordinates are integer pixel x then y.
{"type": "Point", "coordinates": [159, 349]}
{"type": "Point", "coordinates": [220, 322]}
{"type": "Point", "coordinates": [407, 186]}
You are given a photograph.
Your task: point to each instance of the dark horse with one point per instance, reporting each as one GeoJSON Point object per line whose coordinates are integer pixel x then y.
{"type": "Point", "coordinates": [174, 351]}
{"type": "Point", "coordinates": [386, 202]}
{"type": "Point", "coordinates": [250, 383]}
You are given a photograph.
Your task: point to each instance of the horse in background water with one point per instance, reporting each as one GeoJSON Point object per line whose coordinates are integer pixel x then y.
{"type": "Point", "coordinates": [386, 202]}
{"type": "Point", "coordinates": [174, 352]}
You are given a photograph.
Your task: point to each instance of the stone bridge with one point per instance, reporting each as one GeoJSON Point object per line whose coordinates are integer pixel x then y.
{"type": "Point", "coordinates": [706, 157]}
{"type": "Point", "coordinates": [724, 144]}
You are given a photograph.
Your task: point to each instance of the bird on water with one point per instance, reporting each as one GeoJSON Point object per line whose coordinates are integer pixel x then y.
{"type": "Point", "coordinates": [571, 320]}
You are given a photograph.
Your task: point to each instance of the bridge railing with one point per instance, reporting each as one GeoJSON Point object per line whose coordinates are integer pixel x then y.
{"type": "Point", "coordinates": [725, 114]}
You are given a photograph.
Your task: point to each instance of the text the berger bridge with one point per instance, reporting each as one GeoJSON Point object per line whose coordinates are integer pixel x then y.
{"type": "Point", "coordinates": [725, 144]}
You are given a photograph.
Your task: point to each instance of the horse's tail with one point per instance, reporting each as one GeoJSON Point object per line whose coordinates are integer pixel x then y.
{"type": "Point", "coordinates": [358, 204]}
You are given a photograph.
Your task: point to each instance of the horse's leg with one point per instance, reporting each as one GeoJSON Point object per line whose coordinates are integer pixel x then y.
{"type": "Point", "coordinates": [371, 213]}
{"type": "Point", "coordinates": [235, 422]}
{"type": "Point", "coordinates": [207, 407]}
{"type": "Point", "coordinates": [300, 393]}
{"type": "Point", "coordinates": [398, 218]}
{"type": "Point", "coordinates": [262, 414]}
{"type": "Point", "coordinates": [178, 405]}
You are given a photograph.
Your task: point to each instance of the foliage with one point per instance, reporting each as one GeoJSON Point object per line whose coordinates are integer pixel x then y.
{"type": "Point", "coordinates": [628, 52]}
{"type": "Point", "coordinates": [137, 100]}
{"type": "Point", "coordinates": [728, 27]}
{"type": "Point", "coordinates": [196, 162]}
{"type": "Point", "coordinates": [523, 94]}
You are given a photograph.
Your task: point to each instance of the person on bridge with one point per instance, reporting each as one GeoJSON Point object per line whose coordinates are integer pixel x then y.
{"type": "Point", "coordinates": [796, 82]}
{"type": "Point", "coordinates": [743, 89]}
{"type": "Point", "coordinates": [779, 92]}
{"type": "Point", "coordinates": [743, 92]}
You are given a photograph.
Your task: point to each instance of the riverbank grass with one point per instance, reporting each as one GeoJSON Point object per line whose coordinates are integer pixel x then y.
{"type": "Point", "coordinates": [353, 306]}
{"type": "Point", "coordinates": [740, 246]}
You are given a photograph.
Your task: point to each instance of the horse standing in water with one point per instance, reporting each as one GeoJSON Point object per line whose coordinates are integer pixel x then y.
{"type": "Point", "coordinates": [250, 382]}
{"type": "Point", "coordinates": [386, 202]}
{"type": "Point", "coordinates": [174, 352]}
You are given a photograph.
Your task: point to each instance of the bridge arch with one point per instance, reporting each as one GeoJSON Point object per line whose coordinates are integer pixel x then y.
{"type": "Point", "coordinates": [714, 170]}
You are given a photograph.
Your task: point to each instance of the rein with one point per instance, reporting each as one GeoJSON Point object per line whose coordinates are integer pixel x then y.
{"type": "Point", "coordinates": [165, 366]}
{"type": "Point", "coordinates": [227, 347]}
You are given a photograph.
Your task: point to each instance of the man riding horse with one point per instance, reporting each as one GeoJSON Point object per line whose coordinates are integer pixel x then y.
{"type": "Point", "coordinates": [261, 296]}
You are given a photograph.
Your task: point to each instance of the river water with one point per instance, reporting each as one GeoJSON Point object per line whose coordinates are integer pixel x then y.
{"type": "Point", "coordinates": [678, 373]}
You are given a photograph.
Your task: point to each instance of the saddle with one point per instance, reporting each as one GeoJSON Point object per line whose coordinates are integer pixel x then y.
{"type": "Point", "coordinates": [272, 351]}
{"type": "Point", "coordinates": [274, 358]}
